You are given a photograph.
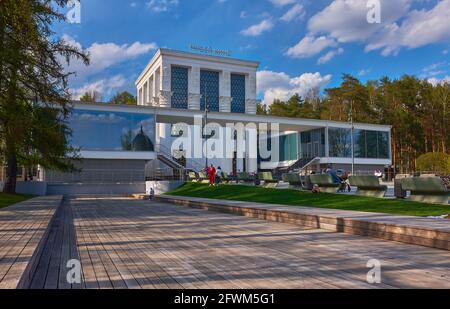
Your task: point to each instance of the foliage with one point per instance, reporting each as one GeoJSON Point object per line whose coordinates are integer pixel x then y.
{"type": "Point", "coordinates": [305, 198]}
{"type": "Point", "coordinates": [124, 98]}
{"type": "Point", "coordinates": [434, 162]}
{"type": "Point", "coordinates": [34, 96]}
{"type": "Point", "coordinates": [91, 97]}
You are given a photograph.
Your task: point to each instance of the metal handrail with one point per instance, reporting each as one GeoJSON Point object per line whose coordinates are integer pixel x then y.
{"type": "Point", "coordinates": [96, 176]}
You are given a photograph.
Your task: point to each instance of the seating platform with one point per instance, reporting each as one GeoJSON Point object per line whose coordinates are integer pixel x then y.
{"type": "Point", "coordinates": [268, 180]}
{"type": "Point", "coordinates": [294, 180]}
{"type": "Point", "coordinates": [368, 186]}
{"type": "Point", "coordinates": [426, 189]}
{"type": "Point", "coordinates": [24, 228]}
{"type": "Point", "coordinates": [244, 177]}
{"type": "Point", "coordinates": [324, 182]}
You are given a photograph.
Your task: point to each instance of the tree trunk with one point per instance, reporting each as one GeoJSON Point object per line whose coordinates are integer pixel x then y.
{"type": "Point", "coordinates": [11, 175]}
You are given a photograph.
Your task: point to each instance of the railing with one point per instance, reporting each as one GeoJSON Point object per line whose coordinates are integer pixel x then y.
{"type": "Point", "coordinates": [191, 164]}
{"type": "Point", "coordinates": [165, 173]}
{"type": "Point", "coordinates": [96, 176]}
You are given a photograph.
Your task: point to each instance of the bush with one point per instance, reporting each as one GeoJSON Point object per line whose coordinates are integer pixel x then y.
{"type": "Point", "coordinates": [437, 162]}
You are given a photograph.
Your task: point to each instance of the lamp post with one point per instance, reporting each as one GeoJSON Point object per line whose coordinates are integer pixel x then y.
{"type": "Point", "coordinates": [353, 137]}
{"type": "Point", "coordinates": [204, 133]}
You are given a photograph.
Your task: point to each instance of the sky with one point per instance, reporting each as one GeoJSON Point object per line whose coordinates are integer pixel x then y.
{"type": "Point", "coordinates": [300, 44]}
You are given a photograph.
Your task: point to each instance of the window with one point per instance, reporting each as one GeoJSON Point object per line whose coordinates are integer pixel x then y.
{"type": "Point", "coordinates": [179, 78]}
{"type": "Point", "coordinates": [209, 89]}
{"type": "Point", "coordinates": [238, 93]}
{"type": "Point", "coordinates": [368, 144]}
{"type": "Point", "coordinates": [112, 131]}
{"type": "Point", "coordinates": [340, 142]}
{"type": "Point", "coordinates": [288, 147]}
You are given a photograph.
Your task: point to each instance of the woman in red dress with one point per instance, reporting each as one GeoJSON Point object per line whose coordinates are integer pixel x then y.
{"type": "Point", "coordinates": [212, 175]}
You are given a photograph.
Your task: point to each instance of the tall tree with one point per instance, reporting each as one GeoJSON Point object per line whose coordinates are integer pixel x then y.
{"type": "Point", "coordinates": [91, 97]}
{"type": "Point", "coordinates": [34, 97]}
{"type": "Point", "coordinates": [124, 98]}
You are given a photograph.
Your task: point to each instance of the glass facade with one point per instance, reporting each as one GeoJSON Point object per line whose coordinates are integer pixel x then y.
{"type": "Point", "coordinates": [238, 93]}
{"type": "Point", "coordinates": [371, 144]}
{"type": "Point", "coordinates": [368, 144]}
{"type": "Point", "coordinates": [312, 143]}
{"type": "Point", "coordinates": [209, 89]}
{"type": "Point", "coordinates": [179, 82]}
{"type": "Point", "coordinates": [112, 131]}
{"type": "Point", "coordinates": [288, 147]}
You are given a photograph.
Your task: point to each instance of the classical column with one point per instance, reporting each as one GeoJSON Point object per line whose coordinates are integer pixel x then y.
{"type": "Point", "coordinates": [165, 98]}
{"type": "Point", "coordinates": [194, 101]}
{"type": "Point", "coordinates": [225, 104]}
{"type": "Point", "coordinates": [225, 92]}
{"type": "Point", "coordinates": [250, 106]}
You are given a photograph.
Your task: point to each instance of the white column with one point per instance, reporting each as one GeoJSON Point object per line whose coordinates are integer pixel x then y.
{"type": "Point", "coordinates": [194, 88]}
{"type": "Point", "coordinates": [225, 92]}
{"type": "Point", "coordinates": [165, 93]}
{"type": "Point", "coordinates": [145, 96]}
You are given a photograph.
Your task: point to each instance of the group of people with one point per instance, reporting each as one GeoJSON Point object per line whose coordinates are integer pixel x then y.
{"type": "Point", "coordinates": [214, 174]}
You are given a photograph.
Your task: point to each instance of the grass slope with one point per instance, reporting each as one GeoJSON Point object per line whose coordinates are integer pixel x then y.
{"type": "Point", "coordinates": [304, 198]}
{"type": "Point", "coordinates": [9, 199]}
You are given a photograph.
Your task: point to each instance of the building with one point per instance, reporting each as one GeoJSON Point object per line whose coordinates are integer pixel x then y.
{"type": "Point", "coordinates": [194, 106]}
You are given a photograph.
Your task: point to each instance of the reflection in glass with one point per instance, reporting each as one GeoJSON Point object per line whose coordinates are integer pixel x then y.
{"type": "Point", "coordinates": [112, 131]}
{"type": "Point", "coordinates": [340, 142]}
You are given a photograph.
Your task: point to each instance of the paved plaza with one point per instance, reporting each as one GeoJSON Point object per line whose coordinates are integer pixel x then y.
{"type": "Point", "coordinates": [128, 243]}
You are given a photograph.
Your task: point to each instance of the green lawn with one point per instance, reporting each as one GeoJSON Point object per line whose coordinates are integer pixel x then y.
{"type": "Point", "coordinates": [9, 199]}
{"type": "Point", "coordinates": [304, 198]}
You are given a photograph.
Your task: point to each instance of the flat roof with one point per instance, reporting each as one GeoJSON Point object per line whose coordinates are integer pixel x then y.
{"type": "Point", "coordinates": [172, 115]}
{"type": "Point", "coordinates": [197, 56]}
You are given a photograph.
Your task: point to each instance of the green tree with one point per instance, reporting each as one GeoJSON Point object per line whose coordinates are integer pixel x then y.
{"type": "Point", "coordinates": [124, 98]}
{"type": "Point", "coordinates": [91, 97]}
{"type": "Point", "coordinates": [436, 162]}
{"type": "Point", "coordinates": [34, 96]}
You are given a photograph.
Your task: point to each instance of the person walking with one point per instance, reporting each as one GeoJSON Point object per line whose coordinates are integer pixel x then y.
{"type": "Point", "coordinates": [212, 175]}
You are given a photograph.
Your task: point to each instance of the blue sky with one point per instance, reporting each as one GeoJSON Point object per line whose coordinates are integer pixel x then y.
{"type": "Point", "coordinates": [301, 44]}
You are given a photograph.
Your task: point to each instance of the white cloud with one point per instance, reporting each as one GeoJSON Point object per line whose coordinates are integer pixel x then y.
{"type": "Point", "coordinates": [330, 55]}
{"type": "Point", "coordinates": [310, 46]}
{"type": "Point", "coordinates": [282, 2]}
{"type": "Point", "coordinates": [435, 81]}
{"type": "Point", "coordinates": [159, 6]}
{"type": "Point", "coordinates": [105, 87]}
{"type": "Point", "coordinates": [345, 21]}
{"type": "Point", "coordinates": [364, 72]}
{"type": "Point", "coordinates": [279, 85]}
{"type": "Point", "coordinates": [295, 12]}
{"type": "Point", "coordinates": [106, 55]}
{"type": "Point", "coordinates": [258, 29]}
{"type": "Point", "coordinates": [418, 29]}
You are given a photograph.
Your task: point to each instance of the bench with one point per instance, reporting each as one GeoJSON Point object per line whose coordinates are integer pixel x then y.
{"type": "Point", "coordinates": [368, 186]}
{"type": "Point", "coordinates": [325, 183]}
{"type": "Point", "coordinates": [244, 177]}
{"type": "Point", "coordinates": [267, 177]}
{"type": "Point", "coordinates": [226, 178]}
{"type": "Point", "coordinates": [426, 189]}
{"type": "Point", "coordinates": [294, 180]}
{"type": "Point", "coordinates": [192, 177]}
{"type": "Point", "coordinates": [203, 178]}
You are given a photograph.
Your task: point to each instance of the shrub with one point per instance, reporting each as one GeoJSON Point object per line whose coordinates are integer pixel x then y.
{"type": "Point", "coordinates": [437, 162]}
